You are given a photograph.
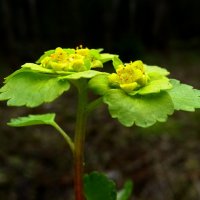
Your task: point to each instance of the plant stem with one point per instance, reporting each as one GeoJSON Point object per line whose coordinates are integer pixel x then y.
{"type": "Point", "coordinates": [79, 139]}
{"type": "Point", "coordinates": [94, 104]}
{"type": "Point", "coordinates": [65, 135]}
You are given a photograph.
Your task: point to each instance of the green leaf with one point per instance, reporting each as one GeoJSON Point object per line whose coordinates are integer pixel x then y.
{"type": "Point", "coordinates": [84, 74]}
{"type": "Point", "coordinates": [95, 53]}
{"type": "Point", "coordinates": [184, 97]}
{"type": "Point", "coordinates": [125, 193]}
{"type": "Point", "coordinates": [154, 86]}
{"type": "Point", "coordinates": [32, 89]}
{"type": "Point", "coordinates": [15, 73]}
{"type": "Point", "coordinates": [69, 50]}
{"type": "Point", "coordinates": [155, 72]}
{"type": "Point", "coordinates": [38, 68]}
{"type": "Point", "coordinates": [143, 110]}
{"type": "Point", "coordinates": [46, 53]}
{"type": "Point", "coordinates": [105, 57]}
{"type": "Point", "coordinates": [99, 84]}
{"type": "Point", "coordinates": [33, 120]}
{"type": "Point", "coordinates": [98, 187]}
{"type": "Point", "coordinates": [116, 62]}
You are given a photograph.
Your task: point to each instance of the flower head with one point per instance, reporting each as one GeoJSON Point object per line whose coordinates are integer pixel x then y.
{"type": "Point", "coordinates": [129, 76]}
{"type": "Point", "coordinates": [72, 60]}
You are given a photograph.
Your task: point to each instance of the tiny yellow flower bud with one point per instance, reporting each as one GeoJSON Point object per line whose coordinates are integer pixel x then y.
{"type": "Point", "coordinates": [96, 63]}
{"type": "Point", "coordinates": [57, 66]}
{"type": "Point", "coordinates": [45, 62]}
{"type": "Point", "coordinates": [143, 81]}
{"type": "Point", "coordinates": [83, 52]}
{"type": "Point", "coordinates": [129, 87]}
{"type": "Point", "coordinates": [138, 64]}
{"type": "Point", "coordinates": [78, 65]}
{"type": "Point", "coordinates": [114, 79]}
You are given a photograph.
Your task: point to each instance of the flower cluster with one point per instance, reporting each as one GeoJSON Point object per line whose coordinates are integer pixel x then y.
{"type": "Point", "coordinates": [135, 94]}
{"type": "Point", "coordinates": [74, 60]}
{"type": "Point", "coordinates": [129, 77]}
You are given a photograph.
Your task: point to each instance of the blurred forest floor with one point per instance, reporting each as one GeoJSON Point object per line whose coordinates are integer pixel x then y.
{"type": "Point", "coordinates": [163, 160]}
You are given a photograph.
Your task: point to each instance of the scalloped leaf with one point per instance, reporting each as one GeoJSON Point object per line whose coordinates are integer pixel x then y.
{"type": "Point", "coordinates": [144, 111]}
{"type": "Point", "coordinates": [116, 62]}
{"type": "Point", "coordinates": [125, 193]}
{"type": "Point", "coordinates": [46, 53]}
{"type": "Point", "coordinates": [184, 97]}
{"type": "Point", "coordinates": [99, 84]}
{"type": "Point", "coordinates": [98, 187]}
{"type": "Point", "coordinates": [15, 73]}
{"type": "Point", "coordinates": [154, 86]}
{"type": "Point", "coordinates": [84, 74]}
{"type": "Point", "coordinates": [95, 53]}
{"type": "Point", "coordinates": [31, 89]}
{"type": "Point", "coordinates": [33, 120]}
{"type": "Point", "coordinates": [105, 57]}
{"type": "Point", "coordinates": [155, 72]}
{"type": "Point", "coordinates": [37, 67]}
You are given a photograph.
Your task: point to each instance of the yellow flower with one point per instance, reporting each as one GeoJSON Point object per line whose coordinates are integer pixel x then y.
{"type": "Point", "coordinates": [57, 61]}
{"type": "Point", "coordinates": [59, 56]}
{"type": "Point", "coordinates": [82, 51]}
{"type": "Point", "coordinates": [129, 76]}
{"type": "Point", "coordinates": [75, 60]}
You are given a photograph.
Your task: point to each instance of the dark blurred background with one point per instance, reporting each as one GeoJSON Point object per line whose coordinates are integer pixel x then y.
{"type": "Point", "coordinates": [164, 160]}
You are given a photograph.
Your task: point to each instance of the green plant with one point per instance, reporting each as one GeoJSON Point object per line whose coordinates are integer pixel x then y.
{"type": "Point", "coordinates": [135, 93]}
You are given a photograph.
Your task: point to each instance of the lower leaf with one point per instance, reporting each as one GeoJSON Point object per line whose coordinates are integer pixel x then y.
{"type": "Point", "coordinates": [33, 120]}
{"type": "Point", "coordinates": [98, 187]}
{"type": "Point", "coordinates": [125, 193]}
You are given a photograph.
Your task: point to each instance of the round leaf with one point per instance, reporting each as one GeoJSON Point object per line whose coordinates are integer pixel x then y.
{"type": "Point", "coordinates": [84, 74]}
{"type": "Point", "coordinates": [105, 57]}
{"type": "Point", "coordinates": [33, 120]}
{"type": "Point", "coordinates": [32, 89]}
{"type": "Point", "coordinates": [99, 84]}
{"type": "Point", "coordinates": [184, 97]}
{"type": "Point", "coordinates": [154, 86]}
{"type": "Point", "coordinates": [142, 110]}
{"type": "Point", "coordinates": [39, 68]}
{"type": "Point", "coordinates": [98, 187]}
{"type": "Point", "coordinates": [155, 71]}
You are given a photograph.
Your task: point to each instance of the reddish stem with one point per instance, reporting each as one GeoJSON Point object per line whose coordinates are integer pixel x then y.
{"type": "Point", "coordinates": [79, 140]}
{"type": "Point", "coordinates": [78, 178]}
